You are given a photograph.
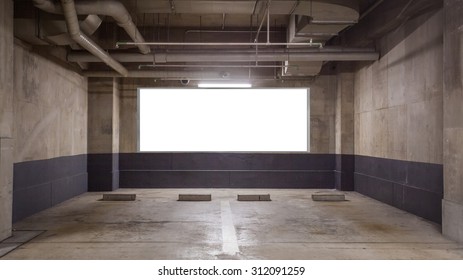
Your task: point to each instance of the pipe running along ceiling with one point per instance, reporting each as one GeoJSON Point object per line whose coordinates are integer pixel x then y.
{"type": "Point", "coordinates": [178, 36]}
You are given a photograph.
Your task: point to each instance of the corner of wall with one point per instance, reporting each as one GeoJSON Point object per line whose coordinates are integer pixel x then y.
{"type": "Point", "coordinates": [6, 117]}
{"type": "Point", "coordinates": [452, 220]}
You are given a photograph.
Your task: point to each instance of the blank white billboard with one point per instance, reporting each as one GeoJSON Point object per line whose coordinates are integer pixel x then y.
{"type": "Point", "coordinates": [223, 120]}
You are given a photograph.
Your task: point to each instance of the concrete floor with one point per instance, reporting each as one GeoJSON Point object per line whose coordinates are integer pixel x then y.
{"type": "Point", "coordinates": [291, 226]}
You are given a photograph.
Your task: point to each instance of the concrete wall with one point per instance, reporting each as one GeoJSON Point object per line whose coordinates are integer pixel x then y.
{"type": "Point", "coordinates": [322, 114]}
{"type": "Point", "coordinates": [103, 111]}
{"type": "Point", "coordinates": [50, 132]}
{"type": "Point", "coordinates": [6, 116]}
{"type": "Point", "coordinates": [452, 224]}
{"type": "Point", "coordinates": [398, 119]}
{"type": "Point", "coordinates": [314, 170]}
{"type": "Point", "coordinates": [50, 109]}
{"type": "Point", "coordinates": [322, 110]}
{"type": "Point", "coordinates": [398, 101]}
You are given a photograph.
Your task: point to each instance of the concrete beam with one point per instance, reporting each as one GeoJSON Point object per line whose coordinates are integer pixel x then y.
{"type": "Point", "coordinates": [388, 16]}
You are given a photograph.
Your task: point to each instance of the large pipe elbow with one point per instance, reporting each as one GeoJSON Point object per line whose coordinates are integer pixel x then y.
{"type": "Point", "coordinates": [111, 8]}
{"type": "Point", "coordinates": [119, 13]}
{"type": "Point", "coordinates": [85, 42]}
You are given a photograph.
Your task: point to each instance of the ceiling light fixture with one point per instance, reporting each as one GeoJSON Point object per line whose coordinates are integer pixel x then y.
{"type": "Point", "coordinates": [209, 85]}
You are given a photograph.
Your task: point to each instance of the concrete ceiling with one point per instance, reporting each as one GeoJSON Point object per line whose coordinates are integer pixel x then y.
{"type": "Point", "coordinates": [189, 24]}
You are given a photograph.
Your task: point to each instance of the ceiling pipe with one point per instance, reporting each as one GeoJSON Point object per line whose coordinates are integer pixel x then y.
{"type": "Point", "coordinates": [179, 75]}
{"type": "Point", "coordinates": [309, 44]}
{"type": "Point", "coordinates": [214, 66]}
{"type": "Point", "coordinates": [268, 22]}
{"type": "Point", "coordinates": [255, 6]}
{"type": "Point", "coordinates": [110, 8]}
{"type": "Point", "coordinates": [267, 12]}
{"type": "Point", "coordinates": [89, 25]}
{"type": "Point", "coordinates": [226, 31]}
{"type": "Point", "coordinates": [334, 22]}
{"type": "Point", "coordinates": [314, 34]}
{"type": "Point", "coordinates": [244, 56]}
{"type": "Point", "coordinates": [84, 41]}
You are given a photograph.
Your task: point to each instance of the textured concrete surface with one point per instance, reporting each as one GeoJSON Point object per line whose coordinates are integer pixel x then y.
{"type": "Point", "coordinates": [453, 120]}
{"type": "Point", "coordinates": [17, 239]}
{"type": "Point", "coordinates": [103, 112]}
{"type": "Point", "coordinates": [398, 99]}
{"type": "Point", "coordinates": [103, 133]}
{"type": "Point", "coordinates": [322, 114]}
{"type": "Point", "coordinates": [50, 109]}
{"type": "Point", "coordinates": [322, 109]}
{"type": "Point", "coordinates": [6, 68]}
{"type": "Point", "coordinates": [6, 116]}
{"type": "Point", "coordinates": [398, 103]}
{"type": "Point", "coordinates": [345, 113]}
{"type": "Point", "coordinates": [6, 187]}
{"type": "Point", "coordinates": [291, 226]}
{"type": "Point", "coordinates": [344, 128]}
{"type": "Point", "coordinates": [452, 220]}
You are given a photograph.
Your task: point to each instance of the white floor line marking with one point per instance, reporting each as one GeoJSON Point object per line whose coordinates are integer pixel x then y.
{"type": "Point", "coordinates": [229, 240]}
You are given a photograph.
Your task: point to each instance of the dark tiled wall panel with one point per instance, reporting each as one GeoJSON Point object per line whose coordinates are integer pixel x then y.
{"type": "Point", "coordinates": [225, 161]}
{"type": "Point", "coordinates": [412, 186]}
{"type": "Point", "coordinates": [226, 179]}
{"type": "Point", "coordinates": [292, 179]}
{"type": "Point", "coordinates": [227, 170]}
{"type": "Point", "coordinates": [41, 184]}
{"type": "Point", "coordinates": [103, 172]}
{"type": "Point", "coordinates": [344, 172]}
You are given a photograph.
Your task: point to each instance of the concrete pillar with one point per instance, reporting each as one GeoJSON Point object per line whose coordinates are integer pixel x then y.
{"type": "Point", "coordinates": [452, 205]}
{"type": "Point", "coordinates": [344, 125]}
{"type": "Point", "coordinates": [103, 134]}
{"type": "Point", "coordinates": [6, 117]}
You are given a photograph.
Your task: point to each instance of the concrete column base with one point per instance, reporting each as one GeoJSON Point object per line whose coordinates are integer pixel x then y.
{"type": "Point", "coordinates": [6, 187]}
{"type": "Point", "coordinates": [452, 220]}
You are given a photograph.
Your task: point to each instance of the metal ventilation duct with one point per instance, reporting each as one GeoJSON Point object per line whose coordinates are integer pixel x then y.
{"type": "Point", "coordinates": [110, 8]}
{"type": "Point", "coordinates": [191, 56]}
{"type": "Point", "coordinates": [84, 41]}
